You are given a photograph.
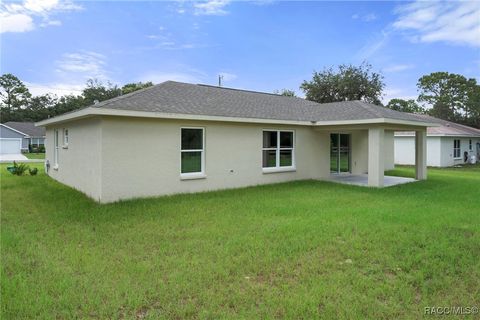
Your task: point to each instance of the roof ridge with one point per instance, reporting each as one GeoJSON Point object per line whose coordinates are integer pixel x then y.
{"type": "Point", "coordinates": [367, 106]}
{"type": "Point", "coordinates": [128, 95]}
{"type": "Point", "coordinates": [245, 90]}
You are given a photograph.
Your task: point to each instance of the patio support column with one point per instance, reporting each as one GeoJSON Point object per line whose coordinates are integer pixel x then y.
{"type": "Point", "coordinates": [376, 156]}
{"type": "Point", "coordinates": [421, 155]}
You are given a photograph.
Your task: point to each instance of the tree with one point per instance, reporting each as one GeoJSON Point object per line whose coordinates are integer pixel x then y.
{"type": "Point", "coordinates": [131, 87]}
{"type": "Point", "coordinates": [472, 107]}
{"type": "Point", "coordinates": [447, 93]}
{"type": "Point", "coordinates": [97, 91]}
{"type": "Point", "coordinates": [285, 92]}
{"type": "Point", "coordinates": [345, 84]}
{"type": "Point", "coordinates": [39, 107]}
{"type": "Point", "coordinates": [14, 96]}
{"type": "Point", "coordinates": [68, 103]}
{"type": "Point", "coordinates": [405, 106]}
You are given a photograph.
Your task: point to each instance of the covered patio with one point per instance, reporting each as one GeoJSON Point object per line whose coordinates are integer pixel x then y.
{"type": "Point", "coordinates": [362, 180]}
{"type": "Point", "coordinates": [360, 155]}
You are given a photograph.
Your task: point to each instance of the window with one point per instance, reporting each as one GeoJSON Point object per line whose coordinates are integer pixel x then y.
{"type": "Point", "coordinates": [65, 138]}
{"type": "Point", "coordinates": [278, 150]}
{"type": "Point", "coordinates": [470, 147]}
{"type": "Point", "coordinates": [55, 149]}
{"type": "Point", "coordinates": [192, 152]}
{"type": "Point", "coordinates": [456, 148]}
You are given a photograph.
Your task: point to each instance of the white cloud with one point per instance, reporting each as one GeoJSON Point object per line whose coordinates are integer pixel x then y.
{"type": "Point", "coordinates": [58, 89]}
{"type": "Point", "coordinates": [22, 16]}
{"type": "Point", "coordinates": [16, 23]}
{"type": "Point", "coordinates": [211, 7]}
{"type": "Point", "coordinates": [398, 68]}
{"type": "Point", "coordinates": [373, 45]}
{"type": "Point", "coordinates": [366, 17]}
{"type": "Point", "coordinates": [398, 93]}
{"type": "Point", "coordinates": [82, 65]}
{"type": "Point", "coordinates": [51, 23]}
{"type": "Point", "coordinates": [452, 22]}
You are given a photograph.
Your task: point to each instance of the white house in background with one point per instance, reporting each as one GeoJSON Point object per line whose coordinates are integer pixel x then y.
{"type": "Point", "coordinates": [447, 144]}
{"type": "Point", "coordinates": [16, 137]}
{"type": "Point", "coordinates": [178, 137]}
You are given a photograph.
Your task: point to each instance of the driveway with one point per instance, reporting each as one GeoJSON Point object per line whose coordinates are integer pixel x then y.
{"type": "Point", "coordinates": [12, 157]}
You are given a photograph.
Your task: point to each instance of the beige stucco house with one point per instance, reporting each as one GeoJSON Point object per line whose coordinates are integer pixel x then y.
{"type": "Point", "coordinates": [177, 138]}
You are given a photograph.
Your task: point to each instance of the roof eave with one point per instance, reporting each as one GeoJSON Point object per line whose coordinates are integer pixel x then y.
{"type": "Point", "coordinates": [94, 111]}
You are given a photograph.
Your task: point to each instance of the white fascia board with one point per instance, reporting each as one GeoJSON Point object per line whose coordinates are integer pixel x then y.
{"type": "Point", "coordinates": [26, 135]}
{"type": "Point", "coordinates": [440, 135]}
{"type": "Point", "coordinates": [90, 111]}
{"type": "Point", "coordinates": [376, 121]}
{"type": "Point", "coordinates": [160, 115]}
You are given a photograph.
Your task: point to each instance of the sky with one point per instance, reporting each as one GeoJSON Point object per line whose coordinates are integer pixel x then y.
{"type": "Point", "coordinates": [55, 46]}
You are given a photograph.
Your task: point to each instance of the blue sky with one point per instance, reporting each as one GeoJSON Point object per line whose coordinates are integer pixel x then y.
{"type": "Point", "coordinates": [56, 46]}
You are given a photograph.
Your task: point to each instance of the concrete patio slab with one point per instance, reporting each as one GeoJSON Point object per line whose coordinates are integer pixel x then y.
{"type": "Point", "coordinates": [362, 180]}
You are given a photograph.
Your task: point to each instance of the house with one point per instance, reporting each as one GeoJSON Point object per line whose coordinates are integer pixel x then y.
{"type": "Point", "coordinates": [17, 137]}
{"type": "Point", "coordinates": [447, 144]}
{"type": "Point", "coordinates": [177, 137]}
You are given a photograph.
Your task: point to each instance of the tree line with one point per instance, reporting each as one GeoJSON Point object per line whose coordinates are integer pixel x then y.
{"type": "Point", "coordinates": [443, 95]}
{"type": "Point", "coordinates": [18, 104]}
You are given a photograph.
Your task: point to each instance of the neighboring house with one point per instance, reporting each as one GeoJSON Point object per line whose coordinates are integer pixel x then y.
{"type": "Point", "coordinates": [447, 144]}
{"type": "Point", "coordinates": [177, 137]}
{"type": "Point", "coordinates": [16, 137]}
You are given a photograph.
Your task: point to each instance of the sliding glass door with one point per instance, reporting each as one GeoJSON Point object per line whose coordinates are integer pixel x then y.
{"type": "Point", "coordinates": [339, 152]}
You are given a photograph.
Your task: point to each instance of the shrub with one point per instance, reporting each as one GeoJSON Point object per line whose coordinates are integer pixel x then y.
{"type": "Point", "coordinates": [33, 171]}
{"type": "Point", "coordinates": [19, 169]}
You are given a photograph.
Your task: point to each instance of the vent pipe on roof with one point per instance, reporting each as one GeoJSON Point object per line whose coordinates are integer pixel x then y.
{"type": "Point", "coordinates": [220, 78]}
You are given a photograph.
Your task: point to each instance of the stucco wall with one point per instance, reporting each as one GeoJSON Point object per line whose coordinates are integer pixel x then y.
{"type": "Point", "coordinates": [79, 165]}
{"type": "Point", "coordinates": [141, 157]}
{"type": "Point", "coordinates": [359, 151]}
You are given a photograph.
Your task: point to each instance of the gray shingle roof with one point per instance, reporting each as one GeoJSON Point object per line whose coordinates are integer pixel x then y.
{"type": "Point", "coordinates": [28, 128]}
{"type": "Point", "coordinates": [445, 127]}
{"type": "Point", "coordinates": [197, 99]}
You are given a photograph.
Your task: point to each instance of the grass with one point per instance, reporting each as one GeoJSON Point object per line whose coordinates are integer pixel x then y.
{"type": "Point", "coordinates": [35, 155]}
{"type": "Point", "coordinates": [304, 249]}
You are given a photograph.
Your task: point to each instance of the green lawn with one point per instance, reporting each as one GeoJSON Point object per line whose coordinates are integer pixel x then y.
{"type": "Point", "coordinates": [296, 250]}
{"type": "Point", "coordinates": [35, 155]}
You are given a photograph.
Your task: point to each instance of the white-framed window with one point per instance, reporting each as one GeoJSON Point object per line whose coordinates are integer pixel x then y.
{"type": "Point", "coordinates": [65, 138]}
{"type": "Point", "coordinates": [278, 150]}
{"type": "Point", "coordinates": [192, 158]}
{"type": "Point", "coordinates": [55, 148]}
{"type": "Point", "coordinates": [456, 149]}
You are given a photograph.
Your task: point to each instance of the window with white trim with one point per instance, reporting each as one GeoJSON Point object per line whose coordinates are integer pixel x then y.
{"type": "Point", "coordinates": [192, 151]}
{"type": "Point", "coordinates": [55, 149]}
{"type": "Point", "coordinates": [470, 147]}
{"type": "Point", "coordinates": [278, 151]}
{"type": "Point", "coordinates": [456, 148]}
{"type": "Point", "coordinates": [65, 137]}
